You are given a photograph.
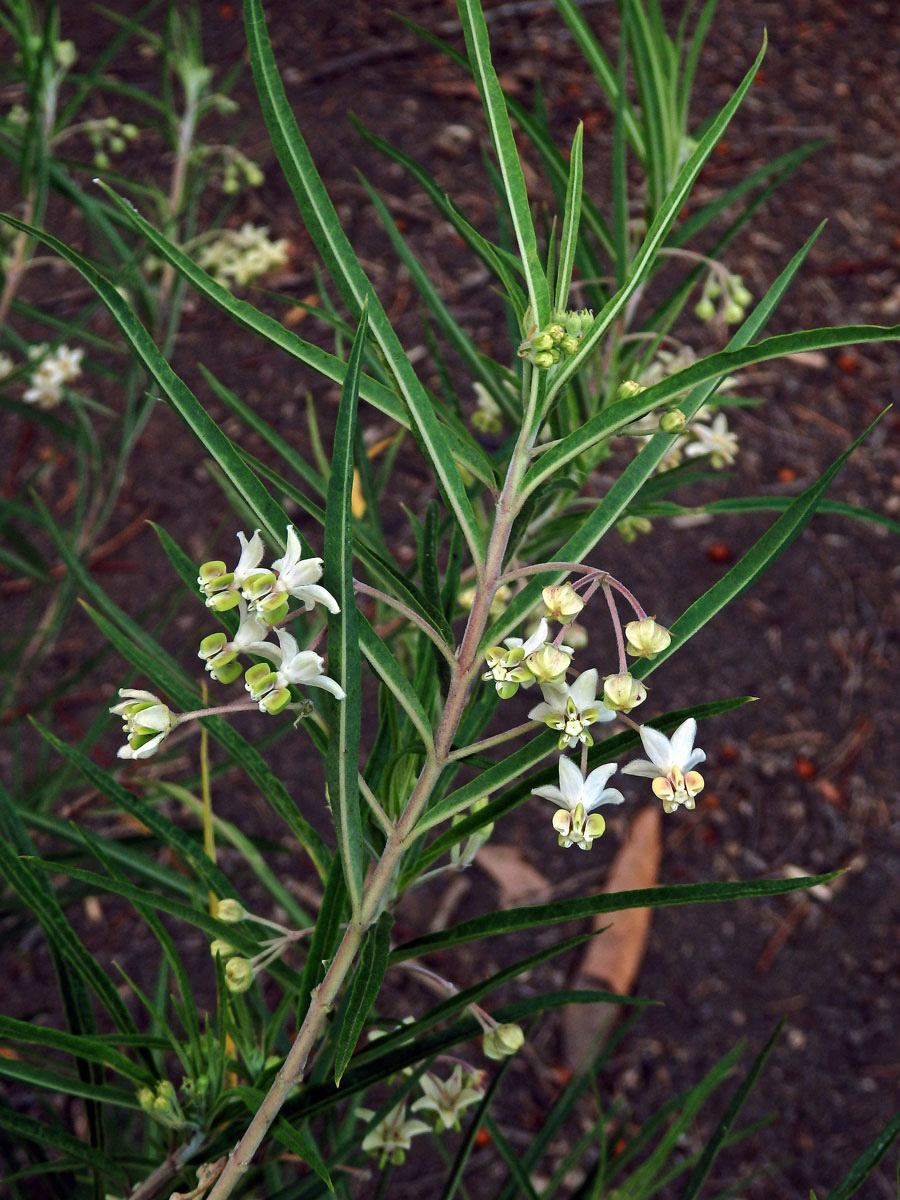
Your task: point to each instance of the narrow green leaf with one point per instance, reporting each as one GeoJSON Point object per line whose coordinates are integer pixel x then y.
{"type": "Point", "coordinates": [723, 1129]}
{"type": "Point", "coordinates": [26, 1033]}
{"type": "Point", "coordinates": [388, 669]}
{"type": "Point", "coordinates": [655, 236]}
{"type": "Point", "coordinates": [760, 556]}
{"type": "Point", "coordinates": [67, 1085]}
{"type": "Point", "coordinates": [343, 634]}
{"type": "Point", "coordinates": [52, 1136]}
{"type": "Point", "coordinates": [533, 916]}
{"type": "Point", "coordinates": [324, 228]}
{"type": "Point", "coordinates": [169, 835]}
{"type": "Point", "coordinates": [867, 1161]}
{"type": "Point", "coordinates": [364, 990]}
{"type": "Point", "coordinates": [59, 934]}
{"type": "Point", "coordinates": [571, 220]}
{"type": "Point", "coordinates": [479, 51]}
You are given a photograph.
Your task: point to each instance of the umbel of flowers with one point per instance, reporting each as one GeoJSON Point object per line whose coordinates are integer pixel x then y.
{"type": "Point", "coordinates": [572, 708]}
{"type": "Point", "coordinates": [262, 597]}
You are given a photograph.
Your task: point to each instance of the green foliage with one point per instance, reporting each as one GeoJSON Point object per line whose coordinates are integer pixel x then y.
{"type": "Point", "coordinates": [414, 741]}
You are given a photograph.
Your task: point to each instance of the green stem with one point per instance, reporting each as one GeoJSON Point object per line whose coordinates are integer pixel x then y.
{"type": "Point", "coordinates": [381, 877]}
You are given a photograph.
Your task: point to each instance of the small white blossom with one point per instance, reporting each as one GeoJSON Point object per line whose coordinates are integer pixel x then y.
{"type": "Point", "coordinates": [298, 577]}
{"type": "Point", "coordinates": [392, 1137]}
{"type": "Point", "coordinates": [448, 1098]}
{"type": "Point", "coordinates": [571, 708]}
{"type": "Point", "coordinates": [507, 669]}
{"type": "Point", "coordinates": [147, 721]}
{"type": "Point", "coordinates": [670, 765]}
{"type": "Point", "coordinates": [59, 367]}
{"type": "Point", "coordinates": [579, 797]}
{"type": "Point", "coordinates": [293, 666]}
{"type": "Point", "coordinates": [715, 440]}
{"type": "Point", "coordinates": [238, 256]}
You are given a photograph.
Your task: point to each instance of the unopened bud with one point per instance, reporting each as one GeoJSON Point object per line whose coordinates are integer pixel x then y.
{"type": "Point", "coordinates": [548, 664]}
{"type": "Point", "coordinates": [705, 309]}
{"type": "Point", "coordinates": [629, 388]}
{"type": "Point", "coordinates": [623, 692]}
{"type": "Point", "coordinates": [230, 911]}
{"type": "Point", "coordinates": [219, 948]}
{"type": "Point", "coordinates": [646, 639]}
{"type": "Point", "coordinates": [502, 1041]}
{"type": "Point", "coordinates": [544, 360]}
{"type": "Point", "coordinates": [563, 602]}
{"type": "Point", "coordinates": [672, 421]}
{"type": "Point", "coordinates": [542, 341]}
{"type": "Point", "coordinates": [238, 974]}
{"type": "Point", "coordinates": [733, 313]}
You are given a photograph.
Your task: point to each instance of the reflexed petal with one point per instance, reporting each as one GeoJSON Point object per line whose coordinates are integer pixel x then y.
{"type": "Point", "coordinates": [647, 770]}
{"type": "Point", "coordinates": [537, 639]}
{"type": "Point", "coordinates": [312, 593]}
{"type": "Point", "coordinates": [695, 756]}
{"type": "Point", "coordinates": [326, 682]}
{"type": "Point", "coordinates": [551, 793]}
{"type": "Point", "coordinates": [540, 711]}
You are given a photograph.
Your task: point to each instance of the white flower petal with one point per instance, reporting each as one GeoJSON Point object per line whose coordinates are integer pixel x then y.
{"type": "Point", "coordinates": [584, 690]}
{"type": "Point", "coordinates": [647, 770]}
{"type": "Point", "coordinates": [326, 682]}
{"type": "Point", "coordinates": [596, 782]}
{"type": "Point", "coordinates": [537, 639]}
{"type": "Point", "coordinates": [682, 741]}
{"type": "Point", "coordinates": [658, 747]}
{"type": "Point", "coordinates": [551, 793]}
{"type": "Point", "coordinates": [571, 782]}
{"type": "Point", "coordinates": [695, 757]}
{"type": "Point", "coordinates": [312, 593]}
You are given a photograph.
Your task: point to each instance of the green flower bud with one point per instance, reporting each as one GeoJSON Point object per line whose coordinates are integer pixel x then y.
{"type": "Point", "coordinates": [733, 313]}
{"type": "Point", "coordinates": [221, 949]}
{"type": "Point", "coordinates": [705, 309]}
{"type": "Point", "coordinates": [672, 421]}
{"type": "Point", "coordinates": [742, 296]}
{"type": "Point", "coordinates": [556, 333]}
{"type": "Point", "coordinates": [117, 145]}
{"type": "Point", "coordinates": [542, 341]}
{"type": "Point", "coordinates": [628, 389]}
{"type": "Point", "coordinates": [130, 131]}
{"type": "Point", "coordinates": [231, 911]}
{"type": "Point", "coordinates": [544, 360]}
{"type": "Point", "coordinates": [569, 344]}
{"type": "Point", "coordinates": [238, 975]}
{"type": "Point", "coordinates": [562, 602]}
{"type": "Point", "coordinates": [502, 1041]}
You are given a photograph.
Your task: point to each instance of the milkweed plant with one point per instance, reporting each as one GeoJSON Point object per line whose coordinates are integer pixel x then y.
{"type": "Point", "coordinates": [440, 693]}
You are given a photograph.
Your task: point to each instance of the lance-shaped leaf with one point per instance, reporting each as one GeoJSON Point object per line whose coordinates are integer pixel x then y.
{"type": "Point", "coordinates": [479, 51]}
{"type": "Point", "coordinates": [364, 990]}
{"type": "Point", "coordinates": [535, 915]}
{"type": "Point", "coordinates": [332, 243]}
{"type": "Point", "coordinates": [343, 632]}
{"type": "Point", "coordinates": [760, 556]}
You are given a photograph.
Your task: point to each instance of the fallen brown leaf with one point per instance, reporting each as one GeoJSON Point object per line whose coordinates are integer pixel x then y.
{"type": "Point", "coordinates": [517, 879]}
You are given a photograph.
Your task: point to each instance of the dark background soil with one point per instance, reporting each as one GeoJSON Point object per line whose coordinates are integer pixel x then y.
{"type": "Point", "coordinates": [805, 777]}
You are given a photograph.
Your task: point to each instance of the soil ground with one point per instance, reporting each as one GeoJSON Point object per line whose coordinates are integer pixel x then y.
{"type": "Point", "coordinates": [804, 779]}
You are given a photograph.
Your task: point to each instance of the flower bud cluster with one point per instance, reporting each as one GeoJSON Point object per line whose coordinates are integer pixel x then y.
{"type": "Point", "coordinates": [109, 136]}
{"type": "Point", "coordinates": [161, 1103]}
{"type": "Point", "coordinates": [239, 256]}
{"type": "Point", "coordinates": [724, 295]}
{"type": "Point", "coordinates": [239, 170]}
{"type": "Point", "coordinates": [262, 596]}
{"type": "Point", "coordinates": [560, 337]}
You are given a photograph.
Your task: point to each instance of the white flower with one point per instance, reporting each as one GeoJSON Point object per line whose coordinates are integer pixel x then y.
{"type": "Point", "coordinates": [579, 797]}
{"type": "Point", "coordinates": [251, 633]}
{"type": "Point", "coordinates": [506, 666]}
{"type": "Point", "coordinates": [714, 440]}
{"type": "Point", "coordinates": [393, 1136]}
{"type": "Point", "coordinates": [571, 708]}
{"type": "Point", "coordinates": [299, 578]}
{"type": "Point", "coordinates": [304, 666]}
{"type": "Point", "coordinates": [293, 665]}
{"type": "Point", "coordinates": [671, 765]}
{"type": "Point", "coordinates": [448, 1098]}
{"type": "Point", "coordinates": [7, 366]}
{"type": "Point", "coordinates": [147, 721]}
